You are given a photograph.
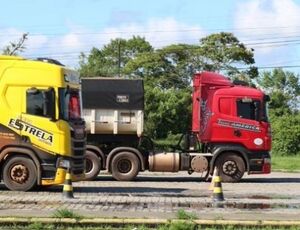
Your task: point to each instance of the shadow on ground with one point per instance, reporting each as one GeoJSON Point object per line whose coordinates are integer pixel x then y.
{"type": "Point", "coordinates": [278, 180]}
{"type": "Point", "coordinates": [117, 190]}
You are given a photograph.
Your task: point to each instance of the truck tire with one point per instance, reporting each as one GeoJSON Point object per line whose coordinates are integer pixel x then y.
{"type": "Point", "coordinates": [92, 165]}
{"type": "Point", "coordinates": [125, 166]}
{"type": "Point", "coordinates": [19, 173]}
{"type": "Point", "coordinates": [231, 167]}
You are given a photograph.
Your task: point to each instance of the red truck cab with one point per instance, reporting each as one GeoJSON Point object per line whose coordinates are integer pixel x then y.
{"type": "Point", "coordinates": [230, 120]}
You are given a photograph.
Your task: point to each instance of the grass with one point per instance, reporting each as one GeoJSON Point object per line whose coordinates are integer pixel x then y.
{"type": "Point", "coordinates": [286, 163]}
{"type": "Point", "coordinates": [183, 215]}
{"type": "Point", "coordinates": [177, 225]}
{"type": "Point", "coordinates": [66, 213]}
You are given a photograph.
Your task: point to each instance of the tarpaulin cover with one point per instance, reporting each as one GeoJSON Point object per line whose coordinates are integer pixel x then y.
{"type": "Point", "coordinates": [112, 93]}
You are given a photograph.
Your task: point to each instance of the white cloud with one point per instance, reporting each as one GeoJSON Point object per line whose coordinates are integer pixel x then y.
{"type": "Point", "coordinates": [267, 19]}
{"type": "Point", "coordinates": [36, 42]}
{"type": "Point", "coordinates": [267, 16]}
{"type": "Point", "coordinates": [8, 35]}
{"type": "Point", "coordinates": [67, 47]}
{"type": "Point", "coordinates": [13, 35]}
{"type": "Point", "coordinates": [159, 32]}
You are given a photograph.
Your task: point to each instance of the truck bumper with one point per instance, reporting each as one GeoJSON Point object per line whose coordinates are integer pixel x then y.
{"type": "Point", "coordinates": [58, 171]}
{"type": "Point", "coordinates": [259, 163]}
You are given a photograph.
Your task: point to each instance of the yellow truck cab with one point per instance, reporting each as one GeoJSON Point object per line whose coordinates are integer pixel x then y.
{"type": "Point", "coordinates": [41, 130]}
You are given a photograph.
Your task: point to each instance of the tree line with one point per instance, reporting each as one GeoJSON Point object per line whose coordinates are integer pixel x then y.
{"type": "Point", "coordinates": [167, 73]}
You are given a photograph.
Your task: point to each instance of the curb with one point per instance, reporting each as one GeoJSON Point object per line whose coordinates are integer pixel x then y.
{"type": "Point", "coordinates": [150, 222]}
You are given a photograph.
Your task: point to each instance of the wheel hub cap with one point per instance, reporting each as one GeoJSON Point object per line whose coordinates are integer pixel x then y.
{"type": "Point", "coordinates": [229, 167]}
{"type": "Point", "coordinates": [124, 166]}
{"type": "Point", "coordinates": [19, 173]}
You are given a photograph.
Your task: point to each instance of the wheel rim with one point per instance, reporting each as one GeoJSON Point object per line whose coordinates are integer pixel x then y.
{"type": "Point", "coordinates": [88, 165]}
{"type": "Point", "coordinates": [124, 166]}
{"type": "Point", "coordinates": [230, 167]}
{"type": "Point", "coordinates": [19, 173]}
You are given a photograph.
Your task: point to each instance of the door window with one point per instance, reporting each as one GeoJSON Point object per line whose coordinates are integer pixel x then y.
{"type": "Point", "coordinates": [247, 109]}
{"type": "Point", "coordinates": [35, 103]}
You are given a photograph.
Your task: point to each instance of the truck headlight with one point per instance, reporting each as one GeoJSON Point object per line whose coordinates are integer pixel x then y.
{"type": "Point", "coordinates": [63, 163]}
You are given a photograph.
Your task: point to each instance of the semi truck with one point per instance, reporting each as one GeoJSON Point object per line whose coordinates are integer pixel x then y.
{"type": "Point", "coordinates": [230, 130]}
{"type": "Point", "coordinates": [41, 129]}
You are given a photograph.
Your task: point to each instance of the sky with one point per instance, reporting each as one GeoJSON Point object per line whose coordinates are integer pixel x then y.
{"type": "Point", "coordinates": [61, 29]}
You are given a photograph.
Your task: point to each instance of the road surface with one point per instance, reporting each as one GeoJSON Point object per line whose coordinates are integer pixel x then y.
{"type": "Point", "coordinates": [161, 195]}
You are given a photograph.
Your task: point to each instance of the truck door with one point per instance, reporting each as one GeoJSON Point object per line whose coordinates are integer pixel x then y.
{"type": "Point", "coordinates": [247, 128]}
{"type": "Point", "coordinates": [11, 104]}
{"type": "Point", "coordinates": [238, 121]}
{"type": "Point", "coordinates": [39, 128]}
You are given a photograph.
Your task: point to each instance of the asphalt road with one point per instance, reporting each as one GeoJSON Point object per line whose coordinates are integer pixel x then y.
{"type": "Point", "coordinates": [161, 195]}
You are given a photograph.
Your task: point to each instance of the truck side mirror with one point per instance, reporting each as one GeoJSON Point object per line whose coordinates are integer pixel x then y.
{"type": "Point", "coordinates": [49, 104]}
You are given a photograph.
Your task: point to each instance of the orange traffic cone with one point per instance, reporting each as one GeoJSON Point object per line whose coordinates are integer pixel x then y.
{"type": "Point", "coordinates": [68, 189]}
{"type": "Point", "coordinates": [218, 193]}
{"type": "Point", "coordinates": [211, 186]}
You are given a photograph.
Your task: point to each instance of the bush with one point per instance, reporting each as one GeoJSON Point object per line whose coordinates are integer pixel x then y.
{"type": "Point", "coordinates": [167, 111]}
{"type": "Point", "coordinates": [286, 135]}
{"type": "Point", "coordinates": [167, 144]}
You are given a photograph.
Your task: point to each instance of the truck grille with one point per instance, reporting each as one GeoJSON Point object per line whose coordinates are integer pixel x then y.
{"type": "Point", "coordinates": [78, 147]}
{"type": "Point", "coordinates": [78, 166]}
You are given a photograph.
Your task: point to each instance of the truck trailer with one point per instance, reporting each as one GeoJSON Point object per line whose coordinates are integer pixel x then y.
{"type": "Point", "coordinates": [41, 129]}
{"type": "Point", "coordinates": [230, 130]}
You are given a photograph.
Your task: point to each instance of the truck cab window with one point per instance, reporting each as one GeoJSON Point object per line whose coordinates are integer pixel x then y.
{"type": "Point", "coordinates": [69, 102]}
{"type": "Point", "coordinates": [247, 109]}
{"type": "Point", "coordinates": [34, 102]}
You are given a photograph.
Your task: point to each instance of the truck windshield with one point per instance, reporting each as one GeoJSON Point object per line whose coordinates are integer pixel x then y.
{"type": "Point", "coordinates": [70, 106]}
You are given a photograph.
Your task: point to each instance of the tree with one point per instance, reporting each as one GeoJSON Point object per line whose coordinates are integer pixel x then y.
{"type": "Point", "coordinates": [174, 65]}
{"type": "Point", "coordinates": [284, 90]}
{"type": "Point", "coordinates": [165, 68]}
{"type": "Point", "coordinates": [112, 58]}
{"type": "Point", "coordinates": [223, 52]}
{"type": "Point", "coordinates": [167, 111]}
{"type": "Point", "coordinates": [15, 47]}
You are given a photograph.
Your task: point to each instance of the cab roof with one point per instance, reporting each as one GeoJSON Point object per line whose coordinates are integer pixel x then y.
{"type": "Point", "coordinates": [38, 63]}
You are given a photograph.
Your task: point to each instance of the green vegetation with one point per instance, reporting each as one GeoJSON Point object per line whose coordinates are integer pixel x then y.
{"type": "Point", "coordinates": [284, 90]}
{"type": "Point", "coordinates": [40, 226]}
{"type": "Point", "coordinates": [286, 163]}
{"type": "Point", "coordinates": [286, 135]}
{"type": "Point", "coordinates": [179, 225]}
{"type": "Point", "coordinates": [183, 215]}
{"type": "Point", "coordinates": [66, 213]}
{"type": "Point", "coordinates": [176, 225]}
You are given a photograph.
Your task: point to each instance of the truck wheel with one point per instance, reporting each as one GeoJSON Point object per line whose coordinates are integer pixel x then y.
{"type": "Point", "coordinates": [125, 166]}
{"type": "Point", "coordinates": [19, 173]}
{"type": "Point", "coordinates": [231, 167]}
{"type": "Point", "coordinates": [92, 165]}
